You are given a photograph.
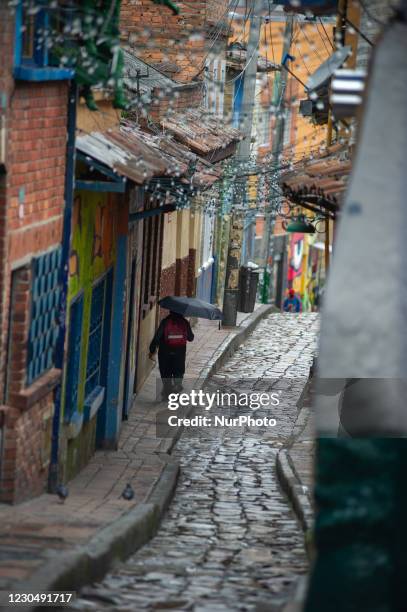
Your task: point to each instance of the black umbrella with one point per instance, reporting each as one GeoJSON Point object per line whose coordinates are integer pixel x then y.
{"type": "Point", "coordinates": [191, 307]}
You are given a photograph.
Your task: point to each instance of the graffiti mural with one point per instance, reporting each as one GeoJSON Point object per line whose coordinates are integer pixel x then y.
{"type": "Point", "coordinates": [295, 261]}
{"type": "Point", "coordinates": [306, 270]}
{"type": "Point", "coordinates": [92, 256]}
{"type": "Point", "coordinates": [94, 227]}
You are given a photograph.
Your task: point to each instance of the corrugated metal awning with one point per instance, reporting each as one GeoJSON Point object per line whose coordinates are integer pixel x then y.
{"type": "Point", "coordinates": [141, 156]}
{"type": "Point", "coordinates": [325, 176]}
{"type": "Point", "coordinates": [204, 134]}
{"type": "Point", "coordinates": [185, 165]}
{"type": "Point", "coordinates": [124, 153]}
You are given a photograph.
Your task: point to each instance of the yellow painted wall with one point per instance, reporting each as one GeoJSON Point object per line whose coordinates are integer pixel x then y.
{"type": "Point", "coordinates": [311, 47]}
{"type": "Point", "coordinates": [195, 235]}
{"type": "Point", "coordinates": [198, 240]}
{"type": "Point", "coordinates": [97, 121]}
{"type": "Point", "coordinates": [147, 331]}
{"type": "Point", "coordinates": [169, 252]}
{"type": "Point", "coordinates": [182, 247]}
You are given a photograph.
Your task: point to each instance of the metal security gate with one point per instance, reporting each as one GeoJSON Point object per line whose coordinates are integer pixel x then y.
{"type": "Point", "coordinates": [99, 334]}
{"type": "Point", "coordinates": [46, 295]}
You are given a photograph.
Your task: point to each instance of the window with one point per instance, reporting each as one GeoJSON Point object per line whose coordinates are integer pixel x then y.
{"type": "Point", "coordinates": [99, 333]}
{"type": "Point", "coordinates": [153, 231]}
{"type": "Point", "coordinates": [31, 57]}
{"type": "Point", "coordinates": [44, 330]}
{"type": "Point", "coordinates": [154, 259]}
{"type": "Point", "coordinates": [74, 357]}
{"type": "Point", "coordinates": [148, 251]}
{"type": "Point", "coordinates": [28, 24]}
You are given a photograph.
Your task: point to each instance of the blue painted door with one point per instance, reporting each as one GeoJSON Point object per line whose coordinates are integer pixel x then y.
{"type": "Point", "coordinates": [99, 337]}
{"type": "Point", "coordinates": [129, 370]}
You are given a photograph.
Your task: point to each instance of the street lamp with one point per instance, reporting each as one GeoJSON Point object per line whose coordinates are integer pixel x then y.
{"type": "Point", "coordinates": [300, 225]}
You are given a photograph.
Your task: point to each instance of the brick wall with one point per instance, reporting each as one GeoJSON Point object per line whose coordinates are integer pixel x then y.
{"type": "Point", "coordinates": [31, 207]}
{"type": "Point", "coordinates": [6, 86]}
{"type": "Point", "coordinates": [167, 281]}
{"type": "Point", "coordinates": [191, 280]}
{"type": "Point", "coordinates": [181, 277]}
{"type": "Point", "coordinates": [19, 323]}
{"type": "Point", "coordinates": [190, 97]}
{"type": "Point", "coordinates": [36, 166]}
{"type": "Point", "coordinates": [26, 453]}
{"type": "Point", "coordinates": [3, 304]}
{"type": "Point", "coordinates": [167, 285]}
{"type": "Point", "coordinates": [157, 35]}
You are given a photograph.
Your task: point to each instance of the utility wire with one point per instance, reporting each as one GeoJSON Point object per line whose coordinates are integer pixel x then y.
{"type": "Point", "coordinates": [229, 7]}
{"type": "Point", "coordinates": [326, 34]}
{"type": "Point", "coordinates": [310, 44]}
{"type": "Point", "coordinates": [352, 25]}
{"type": "Point", "coordinates": [322, 38]}
{"type": "Point", "coordinates": [369, 14]}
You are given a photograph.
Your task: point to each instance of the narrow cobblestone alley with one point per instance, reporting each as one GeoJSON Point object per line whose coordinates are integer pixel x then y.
{"type": "Point", "coordinates": [229, 540]}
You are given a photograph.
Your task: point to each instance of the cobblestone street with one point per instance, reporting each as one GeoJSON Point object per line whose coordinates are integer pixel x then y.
{"type": "Point", "coordinates": [229, 540]}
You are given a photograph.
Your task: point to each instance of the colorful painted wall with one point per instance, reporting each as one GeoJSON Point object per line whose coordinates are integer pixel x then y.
{"type": "Point", "coordinates": [98, 221]}
{"type": "Point", "coordinates": [306, 269]}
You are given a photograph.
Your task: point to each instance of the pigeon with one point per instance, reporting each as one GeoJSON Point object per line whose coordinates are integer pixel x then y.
{"type": "Point", "coordinates": [62, 493]}
{"type": "Point", "coordinates": [128, 493]}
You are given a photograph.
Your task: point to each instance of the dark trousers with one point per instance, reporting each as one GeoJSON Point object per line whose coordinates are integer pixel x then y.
{"type": "Point", "coordinates": [171, 362]}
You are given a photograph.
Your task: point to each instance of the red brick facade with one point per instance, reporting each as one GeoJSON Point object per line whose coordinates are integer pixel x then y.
{"type": "Point", "coordinates": [191, 280]}
{"type": "Point", "coordinates": [182, 99]}
{"type": "Point", "coordinates": [181, 275]}
{"type": "Point", "coordinates": [167, 281]}
{"type": "Point", "coordinates": [180, 39]}
{"type": "Point", "coordinates": [6, 85]}
{"type": "Point", "coordinates": [31, 209]}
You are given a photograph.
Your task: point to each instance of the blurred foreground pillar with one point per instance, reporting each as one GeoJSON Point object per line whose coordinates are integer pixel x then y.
{"type": "Point", "coordinates": [361, 398]}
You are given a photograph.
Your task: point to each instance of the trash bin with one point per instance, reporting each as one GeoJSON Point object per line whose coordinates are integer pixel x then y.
{"type": "Point", "coordinates": [254, 281]}
{"type": "Point", "coordinates": [248, 281]}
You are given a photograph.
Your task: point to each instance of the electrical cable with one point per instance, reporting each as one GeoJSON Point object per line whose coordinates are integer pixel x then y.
{"type": "Point", "coordinates": [238, 75]}
{"type": "Point", "coordinates": [369, 14]}
{"type": "Point", "coordinates": [322, 38]}
{"type": "Point", "coordinates": [352, 25]}
{"type": "Point", "coordinates": [310, 44]}
{"type": "Point", "coordinates": [326, 34]}
{"type": "Point", "coordinates": [270, 33]}
{"type": "Point", "coordinates": [302, 58]}
{"type": "Point", "coordinates": [228, 10]}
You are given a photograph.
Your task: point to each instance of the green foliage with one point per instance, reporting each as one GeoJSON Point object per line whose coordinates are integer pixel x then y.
{"type": "Point", "coordinates": [170, 4]}
{"type": "Point", "coordinates": [86, 37]}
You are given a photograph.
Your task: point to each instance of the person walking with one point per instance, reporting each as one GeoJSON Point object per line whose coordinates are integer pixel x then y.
{"type": "Point", "coordinates": [292, 303]}
{"type": "Point", "coordinates": [171, 339]}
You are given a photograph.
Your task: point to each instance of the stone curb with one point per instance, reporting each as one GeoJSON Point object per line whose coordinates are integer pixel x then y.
{"type": "Point", "coordinates": [118, 540]}
{"type": "Point", "coordinates": [115, 542]}
{"type": "Point", "coordinates": [289, 479]}
{"type": "Point", "coordinates": [294, 489]}
{"type": "Point", "coordinates": [292, 485]}
{"type": "Point", "coordinates": [297, 602]}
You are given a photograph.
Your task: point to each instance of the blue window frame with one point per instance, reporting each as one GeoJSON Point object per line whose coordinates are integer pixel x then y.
{"type": "Point", "coordinates": [31, 57]}
{"type": "Point", "coordinates": [99, 333]}
{"type": "Point", "coordinates": [74, 357]}
{"type": "Point", "coordinates": [45, 302]}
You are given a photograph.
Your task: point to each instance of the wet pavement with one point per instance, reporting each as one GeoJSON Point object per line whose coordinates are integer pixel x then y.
{"type": "Point", "coordinates": [229, 540]}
